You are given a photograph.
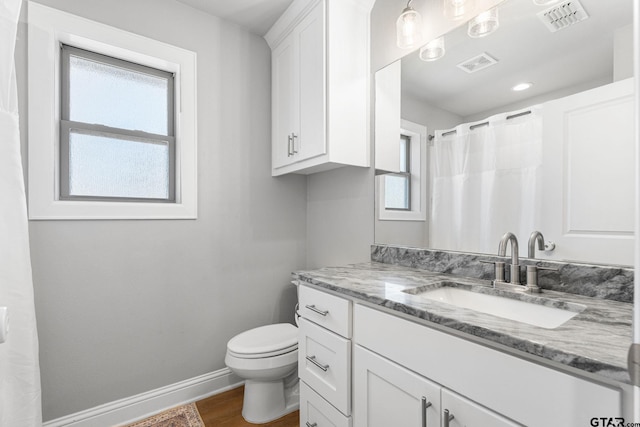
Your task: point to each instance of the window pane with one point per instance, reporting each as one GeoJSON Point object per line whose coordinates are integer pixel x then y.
{"type": "Point", "coordinates": [112, 166]}
{"type": "Point", "coordinates": [396, 192]}
{"type": "Point", "coordinates": [404, 153]}
{"type": "Point", "coordinates": [105, 94]}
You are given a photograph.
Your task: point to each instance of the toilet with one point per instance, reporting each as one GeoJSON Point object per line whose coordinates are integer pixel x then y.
{"type": "Point", "coordinates": [267, 358]}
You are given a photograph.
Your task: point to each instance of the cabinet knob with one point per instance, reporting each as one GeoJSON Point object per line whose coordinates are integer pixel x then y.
{"type": "Point", "coordinates": [293, 143]}
{"type": "Point", "coordinates": [289, 145]}
{"type": "Point", "coordinates": [312, 425]}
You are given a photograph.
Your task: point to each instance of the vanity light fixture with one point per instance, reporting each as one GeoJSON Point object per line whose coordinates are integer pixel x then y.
{"type": "Point", "coordinates": [521, 86]}
{"type": "Point", "coordinates": [456, 9]}
{"type": "Point", "coordinates": [409, 28]}
{"type": "Point", "coordinates": [433, 50]}
{"type": "Point", "coordinates": [484, 24]}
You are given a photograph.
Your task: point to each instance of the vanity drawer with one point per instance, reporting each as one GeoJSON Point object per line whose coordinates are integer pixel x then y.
{"type": "Point", "coordinates": [315, 411]}
{"type": "Point", "coordinates": [329, 311]}
{"type": "Point", "coordinates": [324, 363]}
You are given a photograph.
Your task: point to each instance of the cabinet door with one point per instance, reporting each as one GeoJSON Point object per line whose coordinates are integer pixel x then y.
{"type": "Point", "coordinates": [310, 139]}
{"type": "Point", "coordinates": [283, 102]}
{"type": "Point", "coordinates": [387, 118]}
{"type": "Point", "coordinates": [588, 157]}
{"type": "Point", "coordinates": [465, 413]}
{"type": "Point", "coordinates": [386, 394]}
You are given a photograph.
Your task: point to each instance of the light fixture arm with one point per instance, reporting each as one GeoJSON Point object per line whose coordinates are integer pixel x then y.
{"type": "Point", "coordinates": [408, 7]}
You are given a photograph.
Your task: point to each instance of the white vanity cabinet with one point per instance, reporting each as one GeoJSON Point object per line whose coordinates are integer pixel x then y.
{"type": "Point", "coordinates": [386, 394]}
{"type": "Point", "coordinates": [320, 75]}
{"type": "Point", "coordinates": [398, 362]}
{"type": "Point", "coordinates": [324, 358]}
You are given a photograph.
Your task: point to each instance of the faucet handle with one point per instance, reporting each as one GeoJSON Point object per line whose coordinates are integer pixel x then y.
{"type": "Point", "coordinates": [498, 270]}
{"type": "Point", "coordinates": [532, 277]}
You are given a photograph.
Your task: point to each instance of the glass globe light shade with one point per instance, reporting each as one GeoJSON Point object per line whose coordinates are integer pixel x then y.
{"type": "Point", "coordinates": [433, 50]}
{"type": "Point", "coordinates": [484, 24]}
{"type": "Point", "coordinates": [409, 29]}
{"type": "Point", "coordinates": [457, 9]}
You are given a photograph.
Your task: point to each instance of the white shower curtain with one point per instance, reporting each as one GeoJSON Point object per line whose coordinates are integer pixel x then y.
{"type": "Point", "coordinates": [487, 182]}
{"type": "Point", "coordinates": [19, 368]}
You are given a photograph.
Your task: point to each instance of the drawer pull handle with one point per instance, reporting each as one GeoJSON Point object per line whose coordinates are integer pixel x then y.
{"type": "Point", "coordinates": [312, 425]}
{"type": "Point", "coordinates": [315, 310]}
{"type": "Point", "coordinates": [425, 405]}
{"type": "Point", "coordinates": [313, 360]}
{"type": "Point", "coordinates": [447, 417]}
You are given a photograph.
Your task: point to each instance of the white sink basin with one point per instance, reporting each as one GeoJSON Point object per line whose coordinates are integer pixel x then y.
{"type": "Point", "coordinates": [531, 313]}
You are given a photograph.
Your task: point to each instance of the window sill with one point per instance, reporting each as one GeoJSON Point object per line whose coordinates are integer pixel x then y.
{"type": "Point", "coordinates": [81, 210]}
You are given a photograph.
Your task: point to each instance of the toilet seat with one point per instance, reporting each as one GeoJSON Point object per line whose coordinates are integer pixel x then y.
{"type": "Point", "coordinates": [264, 341]}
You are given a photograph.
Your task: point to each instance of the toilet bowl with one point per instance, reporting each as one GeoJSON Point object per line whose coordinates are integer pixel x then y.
{"type": "Point", "coordinates": [267, 358]}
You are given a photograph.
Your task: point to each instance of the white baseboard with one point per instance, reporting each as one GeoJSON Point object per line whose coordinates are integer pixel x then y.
{"type": "Point", "coordinates": [143, 405]}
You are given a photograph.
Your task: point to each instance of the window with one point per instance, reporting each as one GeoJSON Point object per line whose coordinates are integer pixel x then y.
{"type": "Point", "coordinates": [112, 122]}
{"type": "Point", "coordinates": [398, 186]}
{"type": "Point", "coordinates": [116, 129]}
{"type": "Point", "coordinates": [400, 194]}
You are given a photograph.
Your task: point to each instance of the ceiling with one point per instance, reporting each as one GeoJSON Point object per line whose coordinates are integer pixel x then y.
{"type": "Point", "coordinates": [256, 16]}
{"type": "Point", "coordinates": [579, 56]}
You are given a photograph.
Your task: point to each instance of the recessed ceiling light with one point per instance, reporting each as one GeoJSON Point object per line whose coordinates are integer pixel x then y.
{"type": "Point", "coordinates": [521, 86]}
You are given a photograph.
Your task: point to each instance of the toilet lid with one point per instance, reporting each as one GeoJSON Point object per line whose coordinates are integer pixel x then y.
{"type": "Point", "coordinates": [266, 340]}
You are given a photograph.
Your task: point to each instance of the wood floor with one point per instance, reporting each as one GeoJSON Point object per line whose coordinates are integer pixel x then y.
{"type": "Point", "coordinates": [225, 410]}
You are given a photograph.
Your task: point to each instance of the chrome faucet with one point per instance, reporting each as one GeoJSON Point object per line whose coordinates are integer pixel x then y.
{"type": "Point", "coordinates": [515, 264]}
{"type": "Point", "coordinates": [536, 236]}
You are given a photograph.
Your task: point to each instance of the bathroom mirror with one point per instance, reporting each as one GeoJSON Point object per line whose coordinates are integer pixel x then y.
{"type": "Point", "coordinates": [582, 89]}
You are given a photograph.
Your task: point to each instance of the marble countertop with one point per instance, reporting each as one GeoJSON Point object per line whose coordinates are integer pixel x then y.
{"type": "Point", "coordinates": [596, 340]}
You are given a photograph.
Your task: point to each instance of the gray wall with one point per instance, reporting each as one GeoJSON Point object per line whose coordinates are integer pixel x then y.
{"type": "Point", "coordinates": [124, 307]}
{"type": "Point", "coordinates": [339, 216]}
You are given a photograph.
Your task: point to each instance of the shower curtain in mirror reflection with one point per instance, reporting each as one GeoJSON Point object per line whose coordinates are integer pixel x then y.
{"type": "Point", "coordinates": [486, 182]}
{"type": "Point", "coordinates": [19, 368]}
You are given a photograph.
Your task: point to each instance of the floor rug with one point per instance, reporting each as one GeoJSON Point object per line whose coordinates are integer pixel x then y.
{"type": "Point", "coordinates": [182, 416]}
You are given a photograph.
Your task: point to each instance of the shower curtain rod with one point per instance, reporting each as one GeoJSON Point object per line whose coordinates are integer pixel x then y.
{"type": "Point", "coordinates": [477, 125]}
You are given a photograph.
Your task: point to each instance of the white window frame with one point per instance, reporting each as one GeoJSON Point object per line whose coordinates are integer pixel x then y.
{"type": "Point", "coordinates": [48, 28]}
{"type": "Point", "coordinates": [418, 146]}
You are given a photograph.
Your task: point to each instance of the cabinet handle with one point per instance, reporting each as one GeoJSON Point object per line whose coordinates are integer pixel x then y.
{"type": "Point", "coordinates": [425, 405]}
{"type": "Point", "coordinates": [315, 310]}
{"type": "Point", "coordinates": [447, 418]}
{"type": "Point", "coordinates": [313, 360]}
{"type": "Point", "coordinates": [293, 143]}
{"type": "Point", "coordinates": [289, 146]}
{"type": "Point", "coordinates": [312, 425]}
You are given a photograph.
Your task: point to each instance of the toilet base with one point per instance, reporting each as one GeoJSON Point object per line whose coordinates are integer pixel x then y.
{"type": "Point", "coordinates": [265, 401]}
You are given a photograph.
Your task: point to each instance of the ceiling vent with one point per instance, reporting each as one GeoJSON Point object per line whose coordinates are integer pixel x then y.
{"type": "Point", "coordinates": [563, 15]}
{"type": "Point", "coordinates": [477, 63]}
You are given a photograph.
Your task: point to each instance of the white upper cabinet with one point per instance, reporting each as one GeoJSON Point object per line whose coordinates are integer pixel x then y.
{"type": "Point", "coordinates": [588, 179]}
{"type": "Point", "coordinates": [387, 118]}
{"type": "Point", "coordinates": [320, 86]}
